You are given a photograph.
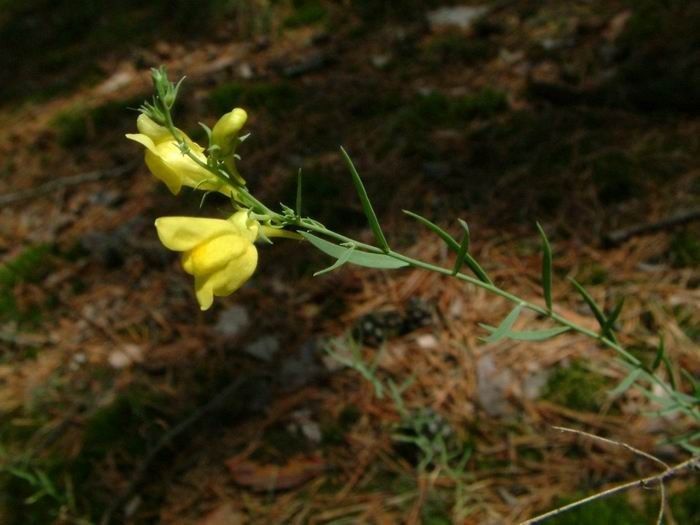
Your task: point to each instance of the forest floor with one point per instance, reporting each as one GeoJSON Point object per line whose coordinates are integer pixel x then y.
{"type": "Point", "coordinates": [121, 402]}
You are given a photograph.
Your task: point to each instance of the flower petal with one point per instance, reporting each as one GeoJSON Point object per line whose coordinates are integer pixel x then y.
{"type": "Point", "coordinates": [144, 140]}
{"type": "Point", "coordinates": [163, 172]}
{"type": "Point", "coordinates": [185, 233]}
{"type": "Point", "coordinates": [227, 280]}
{"type": "Point", "coordinates": [215, 254]}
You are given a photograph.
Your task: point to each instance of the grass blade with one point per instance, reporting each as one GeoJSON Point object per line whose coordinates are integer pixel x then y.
{"type": "Point", "coordinates": [366, 204]}
{"type": "Point", "coordinates": [546, 268]}
{"type": "Point", "coordinates": [452, 244]}
{"type": "Point", "coordinates": [597, 312]}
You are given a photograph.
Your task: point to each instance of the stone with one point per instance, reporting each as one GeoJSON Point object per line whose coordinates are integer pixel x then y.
{"type": "Point", "coordinates": [232, 321]}
{"type": "Point", "coordinates": [264, 348]}
{"type": "Point", "coordinates": [462, 16]}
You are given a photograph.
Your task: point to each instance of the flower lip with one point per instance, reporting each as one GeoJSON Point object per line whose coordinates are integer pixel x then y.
{"type": "Point", "coordinates": [219, 253]}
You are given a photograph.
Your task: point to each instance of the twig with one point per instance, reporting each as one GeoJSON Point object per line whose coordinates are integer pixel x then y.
{"type": "Point", "coordinates": [164, 441]}
{"type": "Point", "coordinates": [612, 442]}
{"type": "Point", "coordinates": [619, 236]}
{"type": "Point", "coordinates": [693, 463]}
{"type": "Point", "coordinates": [48, 187]}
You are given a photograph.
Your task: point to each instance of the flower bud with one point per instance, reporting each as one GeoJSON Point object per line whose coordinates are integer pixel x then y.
{"type": "Point", "coordinates": [226, 130]}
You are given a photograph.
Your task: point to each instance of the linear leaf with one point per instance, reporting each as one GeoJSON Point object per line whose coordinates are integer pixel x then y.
{"type": "Point", "coordinates": [461, 253]}
{"type": "Point", "coordinates": [660, 352]}
{"type": "Point", "coordinates": [626, 383]}
{"type": "Point", "coordinates": [533, 335]}
{"type": "Point", "coordinates": [474, 266]}
{"type": "Point", "coordinates": [360, 258]}
{"type": "Point", "coordinates": [477, 269]}
{"type": "Point", "coordinates": [538, 335]}
{"type": "Point", "coordinates": [299, 191]}
{"type": "Point", "coordinates": [366, 204]}
{"type": "Point", "coordinates": [340, 261]}
{"type": "Point", "coordinates": [505, 326]}
{"type": "Point", "coordinates": [609, 328]}
{"type": "Point", "coordinates": [597, 312]}
{"type": "Point", "coordinates": [546, 267]}
{"type": "Point", "coordinates": [452, 244]}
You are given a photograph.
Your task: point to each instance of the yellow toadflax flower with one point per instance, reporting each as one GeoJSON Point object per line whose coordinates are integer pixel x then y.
{"type": "Point", "coordinates": [167, 163]}
{"type": "Point", "coordinates": [219, 253]}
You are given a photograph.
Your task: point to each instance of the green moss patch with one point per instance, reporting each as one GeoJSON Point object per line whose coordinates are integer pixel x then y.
{"type": "Point", "coordinates": [576, 387]}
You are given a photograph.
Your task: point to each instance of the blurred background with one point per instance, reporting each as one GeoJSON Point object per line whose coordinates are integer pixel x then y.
{"type": "Point", "coordinates": [120, 402]}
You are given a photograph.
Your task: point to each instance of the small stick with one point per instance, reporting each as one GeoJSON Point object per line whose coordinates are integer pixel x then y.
{"type": "Point", "coordinates": [612, 442]}
{"type": "Point", "coordinates": [48, 187]}
{"type": "Point", "coordinates": [619, 236]}
{"type": "Point", "coordinates": [693, 463]}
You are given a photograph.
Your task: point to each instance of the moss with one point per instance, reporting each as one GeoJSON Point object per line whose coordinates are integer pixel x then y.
{"type": "Point", "coordinates": [436, 510]}
{"type": "Point", "coordinates": [31, 265]}
{"type": "Point", "coordinates": [685, 249]}
{"type": "Point", "coordinates": [686, 505]}
{"type": "Point", "coordinates": [306, 12]}
{"type": "Point", "coordinates": [613, 510]}
{"type": "Point", "coordinates": [576, 387]}
{"type": "Point", "coordinates": [275, 98]}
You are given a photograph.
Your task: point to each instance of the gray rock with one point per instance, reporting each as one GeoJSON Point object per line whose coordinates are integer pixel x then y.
{"type": "Point", "coordinates": [232, 321]}
{"type": "Point", "coordinates": [264, 348]}
{"type": "Point", "coordinates": [461, 16]}
{"type": "Point", "coordinates": [493, 386]}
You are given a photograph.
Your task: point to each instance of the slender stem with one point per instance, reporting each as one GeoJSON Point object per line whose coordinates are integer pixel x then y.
{"type": "Point", "coordinates": [691, 463]}
{"type": "Point", "coordinates": [492, 288]}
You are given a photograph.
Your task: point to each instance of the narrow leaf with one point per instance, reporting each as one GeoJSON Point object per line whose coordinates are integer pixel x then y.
{"type": "Point", "coordinates": [546, 268]}
{"type": "Point", "coordinates": [474, 266]}
{"type": "Point", "coordinates": [609, 328]}
{"type": "Point", "coordinates": [597, 312]}
{"type": "Point", "coordinates": [461, 253]}
{"type": "Point", "coordinates": [660, 352]}
{"type": "Point", "coordinates": [366, 204]}
{"type": "Point", "coordinates": [340, 261]}
{"type": "Point", "coordinates": [505, 326]}
{"type": "Point", "coordinates": [532, 335]}
{"type": "Point", "coordinates": [360, 258]}
{"type": "Point", "coordinates": [694, 383]}
{"type": "Point", "coordinates": [538, 335]}
{"type": "Point", "coordinates": [467, 234]}
{"type": "Point", "coordinates": [626, 383]}
{"type": "Point", "coordinates": [298, 202]}
{"type": "Point", "coordinates": [477, 269]}
{"type": "Point", "coordinates": [452, 244]}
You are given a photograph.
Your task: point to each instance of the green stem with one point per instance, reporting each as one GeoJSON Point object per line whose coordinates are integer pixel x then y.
{"type": "Point", "coordinates": [417, 263]}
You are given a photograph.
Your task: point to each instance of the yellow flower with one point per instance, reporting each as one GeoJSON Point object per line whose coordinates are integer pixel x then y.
{"type": "Point", "coordinates": [167, 163]}
{"type": "Point", "coordinates": [220, 254]}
